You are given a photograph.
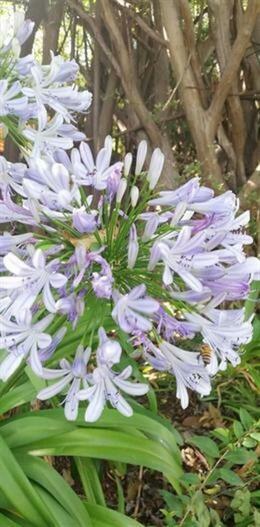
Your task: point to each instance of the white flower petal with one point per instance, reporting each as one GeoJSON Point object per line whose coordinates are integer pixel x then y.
{"type": "Point", "coordinates": [54, 389]}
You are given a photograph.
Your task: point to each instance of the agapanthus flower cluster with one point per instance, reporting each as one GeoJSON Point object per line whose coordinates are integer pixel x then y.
{"type": "Point", "coordinates": [101, 273]}
{"type": "Point", "coordinates": [28, 89]}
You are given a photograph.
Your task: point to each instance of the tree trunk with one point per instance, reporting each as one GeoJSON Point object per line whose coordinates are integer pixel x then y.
{"type": "Point", "coordinates": [191, 99]}
{"type": "Point", "coordinates": [52, 29]}
{"type": "Point", "coordinates": [129, 82]}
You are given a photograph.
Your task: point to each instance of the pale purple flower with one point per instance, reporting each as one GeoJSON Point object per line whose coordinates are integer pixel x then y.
{"type": "Point", "coordinates": [170, 327]}
{"type": "Point", "coordinates": [72, 377]}
{"type": "Point", "coordinates": [31, 280]}
{"type": "Point", "coordinates": [113, 182]}
{"type": "Point", "coordinates": [182, 257]}
{"type": "Point", "coordinates": [188, 193]}
{"type": "Point", "coordinates": [223, 336]}
{"type": "Point", "coordinates": [60, 98]}
{"type": "Point", "coordinates": [134, 310]}
{"type": "Point", "coordinates": [96, 173]}
{"type": "Point", "coordinates": [105, 383]}
{"type": "Point", "coordinates": [61, 70]}
{"type": "Point", "coordinates": [51, 184]}
{"type": "Point", "coordinates": [22, 28]}
{"type": "Point", "coordinates": [24, 65]}
{"type": "Point", "coordinates": [47, 135]}
{"type": "Point", "coordinates": [84, 222]}
{"type": "Point", "coordinates": [153, 220]}
{"type": "Point", "coordinates": [21, 339]}
{"type": "Point", "coordinates": [11, 100]}
{"type": "Point", "coordinates": [184, 365]}
{"type": "Point", "coordinates": [109, 350]}
{"type": "Point", "coordinates": [102, 284]}
{"type": "Point", "coordinates": [9, 242]}
{"type": "Point", "coordinates": [72, 305]}
{"type": "Point", "coordinates": [235, 289]}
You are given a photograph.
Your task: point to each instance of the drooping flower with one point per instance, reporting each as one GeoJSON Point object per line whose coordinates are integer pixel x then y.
{"type": "Point", "coordinates": [72, 377]}
{"type": "Point", "coordinates": [11, 100]}
{"type": "Point", "coordinates": [31, 280]}
{"type": "Point", "coordinates": [47, 135]}
{"type": "Point", "coordinates": [184, 365]}
{"type": "Point", "coordinates": [133, 311]}
{"type": "Point", "coordinates": [183, 255]}
{"type": "Point", "coordinates": [97, 173]}
{"type": "Point", "coordinates": [84, 221]}
{"type": "Point", "coordinates": [105, 383]}
{"type": "Point", "coordinates": [224, 332]}
{"type": "Point", "coordinates": [23, 339]}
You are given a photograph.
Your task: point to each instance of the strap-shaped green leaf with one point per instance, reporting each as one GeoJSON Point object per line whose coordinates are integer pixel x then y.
{"type": "Point", "coordinates": [104, 517]}
{"type": "Point", "coordinates": [16, 397]}
{"type": "Point", "coordinates": [34, 424]}
{"type": "Point", "coordinates": [19, 491]}
{"type": "Point", "coordinates": [112, 445]}
{"type": "Point", "coordinates": [90, 481]}
{"type": "Point", "coordinates": [45, 475]}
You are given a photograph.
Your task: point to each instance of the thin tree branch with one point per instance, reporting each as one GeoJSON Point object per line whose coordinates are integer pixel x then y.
{"type": "Point", "coordinates": [90, 23]}
{"type": "Point", "coordinates": [153, 34]}
{"type": "Point", "coordinates": [236, 55]}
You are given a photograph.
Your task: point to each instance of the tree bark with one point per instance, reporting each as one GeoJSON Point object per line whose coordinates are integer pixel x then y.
{"type": "Point", "coordinates": [195, 113]}
{"type": "Point", "coordinates": [236, 123]}
{"type": "Point", "coordinates": [36, 11]}
{"type": "Point", "coordinates": [203, 122]}
{"type": "Point", "coordinates": [52, 29]}
{"type": "Point", "coordinates": [106, 114]}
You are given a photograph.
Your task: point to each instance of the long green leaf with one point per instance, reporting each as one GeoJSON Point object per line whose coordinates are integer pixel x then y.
{"type": "Point", "coordinates": [23, 430]}
{"type": "Point", "coordinates": [111, 445]}
{"type": "Point", "coordinates": [19, 491]}
{"type": "Point", "coordinates": [90, 480]}
{"type": "Point", "coordinates": [6, 522]}
{"type": "Point", "coordinates": [16, 397]}
{"type": "Point", "coordinates": [62, 517]}
{"type": "Point", "coordinates": [13, 521]}
{"type": "Point", "coordinates": [104, 517]}
{"type": "Point", "coordinates": [45, 475]}
{"type": "Point", "coordinates": [141, 421]}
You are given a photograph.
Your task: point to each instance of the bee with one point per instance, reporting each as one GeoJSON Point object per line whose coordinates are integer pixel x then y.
{"type": "Point", "coordinates": [206, 353]}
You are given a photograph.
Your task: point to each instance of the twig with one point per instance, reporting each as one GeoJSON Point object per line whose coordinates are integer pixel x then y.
{"type": "Point", "coordinates": [139, 492]}
{"type": "Point", "coordinates": [142, 24]}
{"type": "Point", "coordinates": [177, 85]}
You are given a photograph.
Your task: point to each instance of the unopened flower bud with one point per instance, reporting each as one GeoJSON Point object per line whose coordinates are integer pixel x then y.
{"type": "Point", "coordinates": [121, 190]}
{"type": "Point", "coordinates": [133, 248]}
{"type": "Point", "coordinates": [150, 227]}
{"type": "Point", "coordinates": [134, 195]}
{"type": "Point", "coordinates": [155, 168]}
{"type": "Point", "coordinates": [140, 158]}
{"type": "Point", "coordinates": [127, 163]}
